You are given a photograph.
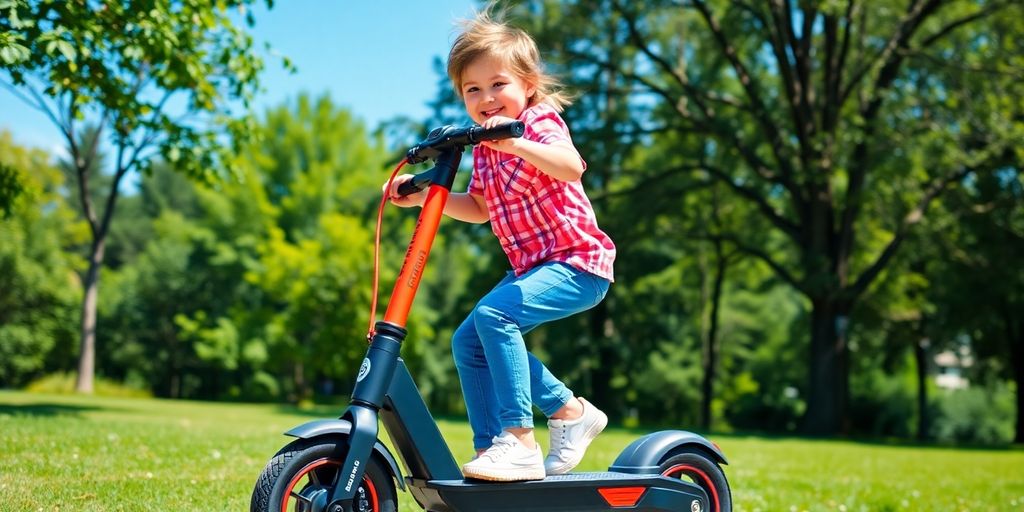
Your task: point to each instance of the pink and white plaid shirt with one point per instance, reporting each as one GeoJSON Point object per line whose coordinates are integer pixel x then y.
{"type": "Point", "coordinates": [538, 218]}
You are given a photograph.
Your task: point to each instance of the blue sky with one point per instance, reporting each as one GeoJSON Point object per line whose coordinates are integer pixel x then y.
{"type": "Point", "coordinates": [373, 57]}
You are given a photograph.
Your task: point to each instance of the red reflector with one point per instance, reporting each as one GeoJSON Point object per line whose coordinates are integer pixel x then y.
{"type": "Point", "coordinates": [622, 496]}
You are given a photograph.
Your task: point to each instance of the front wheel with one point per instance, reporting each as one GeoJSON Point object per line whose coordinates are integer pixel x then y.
{"type": "Point", "coordinates": [302, 475]}
{"type": "Point", "coordinates": [700, 469]}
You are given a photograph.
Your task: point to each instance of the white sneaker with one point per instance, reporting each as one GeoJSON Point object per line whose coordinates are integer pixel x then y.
{"type": "Point", "coordinates": [570, 439]}
{"type": "Point", "coordinates": [507, 460]}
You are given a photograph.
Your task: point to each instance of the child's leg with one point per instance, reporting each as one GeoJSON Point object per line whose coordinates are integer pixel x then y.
{"type": "Point", "coordinates": [548, 393]}
{"type": "Point", "coordinates": [477, 387]}
{"type": "Point", "coordinates": [548, 292]}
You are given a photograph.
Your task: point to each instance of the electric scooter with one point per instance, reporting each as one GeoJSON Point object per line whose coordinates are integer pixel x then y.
{"type": "Point", "coordinates": [340, 465]}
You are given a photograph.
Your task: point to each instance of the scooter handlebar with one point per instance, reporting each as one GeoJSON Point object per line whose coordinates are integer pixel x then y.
{"type": "Point", "coordinates": [450, 137]}
{"type": "Point", "coordinates": [512, 130]}
{"type": "Point", "coordinates": [417, 183]}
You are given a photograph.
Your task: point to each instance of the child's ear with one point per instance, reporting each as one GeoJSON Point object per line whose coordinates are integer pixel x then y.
{"type": "Point", "coordinates": [531, 92]}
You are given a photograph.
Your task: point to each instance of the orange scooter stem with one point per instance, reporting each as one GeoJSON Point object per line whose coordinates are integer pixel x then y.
{"type": "Point", "coordinates": [416, 256]}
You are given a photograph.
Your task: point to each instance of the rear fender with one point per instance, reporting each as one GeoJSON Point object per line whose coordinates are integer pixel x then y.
{"type": "Point", "coordinates": [645, 455]}
{"type": "Point", "coordinates": [319, 428]}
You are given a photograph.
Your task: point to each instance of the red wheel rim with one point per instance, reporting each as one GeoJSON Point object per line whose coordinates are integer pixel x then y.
{"type": "Point", "coordinates": [304, 472]}
{"type": "Point", "coordinates": [698, 474]}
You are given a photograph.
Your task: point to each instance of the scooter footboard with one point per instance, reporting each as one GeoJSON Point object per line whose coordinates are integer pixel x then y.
{"type": "Point", "coordinates": [645, 455]}
{"type": "Point", "coordinates": [590, 492]}
{"type": "Point", "coordinates": [344, 427]}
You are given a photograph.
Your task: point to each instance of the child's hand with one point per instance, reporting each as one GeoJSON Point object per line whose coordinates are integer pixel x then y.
{"type": "Point", "coordinates": [504, 145]}
{"type": "Point", "coordinates": [408, 201]}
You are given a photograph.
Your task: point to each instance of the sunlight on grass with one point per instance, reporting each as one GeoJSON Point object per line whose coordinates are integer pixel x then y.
{"type": "Point", "coordinates": [61, 452]}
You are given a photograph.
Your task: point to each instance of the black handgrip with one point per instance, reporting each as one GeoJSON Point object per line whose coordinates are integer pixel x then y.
{"type": "Point", "coordinates": [416, 184]}
{"type": "Point", "coordinates": [450, 137]}
{"type": "Point", "coordinates": [504, 131]}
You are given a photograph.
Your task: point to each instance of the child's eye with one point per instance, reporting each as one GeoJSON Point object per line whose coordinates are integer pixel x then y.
{"type": "Point", "coordinates": [471, 89]}
{"type": "Point", "coordinates": [499, 84]}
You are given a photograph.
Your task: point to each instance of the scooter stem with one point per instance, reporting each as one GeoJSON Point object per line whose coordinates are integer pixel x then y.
{"type": "Point", "coordinates": [378, 368]}
{"type": "Point", "coordinates": [408, 282]}
{"type": "Point", "coordinates": [416, 257]}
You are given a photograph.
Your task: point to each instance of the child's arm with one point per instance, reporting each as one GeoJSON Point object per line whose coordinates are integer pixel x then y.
{"type": "Point", "coordinates": [460, 206]}
{"type": "Point", "coordinates": [560, 160]}
{"type": "Point", "coordinates": [466, 207]}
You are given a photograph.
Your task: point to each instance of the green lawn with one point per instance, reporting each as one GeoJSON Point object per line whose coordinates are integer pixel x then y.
{"type": "Point", "coordinates": [71, 453]}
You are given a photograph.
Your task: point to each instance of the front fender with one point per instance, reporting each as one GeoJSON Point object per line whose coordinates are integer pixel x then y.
{"type": "Point", "coordinates": [319, 428]}
{"type": "Point", "coordinates": [644, 456]}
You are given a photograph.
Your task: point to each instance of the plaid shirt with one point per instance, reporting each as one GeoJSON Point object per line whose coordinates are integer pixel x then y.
{"type": "Point", "coordinates": [538, 218]}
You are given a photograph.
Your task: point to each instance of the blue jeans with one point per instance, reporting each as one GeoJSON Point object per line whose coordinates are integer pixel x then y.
{"type": "Point", "coordinates": [500, 379]}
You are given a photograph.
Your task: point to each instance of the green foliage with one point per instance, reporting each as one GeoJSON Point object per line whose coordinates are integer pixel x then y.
{"type": "Point", "coordinates": [883, 405]}
{"type": "Point", "coordinates": [159, 79]}
{"type": "Point", "coordinates": [10, 188]}
{"type": "Point", "coordinates": [39, 289]}
{"type": "Point", "coordinates": [257, 287]}
{"type": "Point", "coordinates": [982, 415]}
{"type": "Point", "coordinates": [64, 384]}
{"type": "Point", "coordinates": [762, 384]}
{"type": "Point", "coordinates": [122, 62]}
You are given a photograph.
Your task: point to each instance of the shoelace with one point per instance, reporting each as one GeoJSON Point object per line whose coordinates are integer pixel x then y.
{"type": "Point", "coordinates": [501, 446]}
{"type": "Point", "coordinates": [562, 431]}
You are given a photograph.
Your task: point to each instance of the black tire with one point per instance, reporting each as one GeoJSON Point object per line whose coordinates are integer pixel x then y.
{"type": "Point", "coordinates": [300, 476]}
{"type": "Point", "coordinates": [697, 466]}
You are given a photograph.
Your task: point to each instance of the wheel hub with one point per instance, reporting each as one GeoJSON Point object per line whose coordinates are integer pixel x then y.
{"type": "Point", "coordinates": [314, 499]}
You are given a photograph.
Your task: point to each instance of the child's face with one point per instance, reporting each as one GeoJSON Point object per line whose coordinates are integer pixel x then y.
{"type": "Point", "coordinates": [490, 89]}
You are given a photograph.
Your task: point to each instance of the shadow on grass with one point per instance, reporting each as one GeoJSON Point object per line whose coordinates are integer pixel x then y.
{"type": "Point", "coordinates": [46, 409]}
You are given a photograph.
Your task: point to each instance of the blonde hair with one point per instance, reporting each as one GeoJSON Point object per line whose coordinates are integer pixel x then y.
{"type": "Point", "coordinates": [486, 35]}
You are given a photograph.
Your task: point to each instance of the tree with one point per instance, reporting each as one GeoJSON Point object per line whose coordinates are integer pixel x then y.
{"type": "Point", "coordinates": [811, 113]}
{"type": "Point", "coordinates": [982, 279]}
{"type": "Point", "coordinates": [10, 188]}
{"type": "Point", "coordinates": [37, 287]}
{"type": "Point", "coordinates": [157, 78]}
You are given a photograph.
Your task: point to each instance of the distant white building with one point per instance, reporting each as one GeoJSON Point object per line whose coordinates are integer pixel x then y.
{"type": "Point", "coordinates": [950, 366]}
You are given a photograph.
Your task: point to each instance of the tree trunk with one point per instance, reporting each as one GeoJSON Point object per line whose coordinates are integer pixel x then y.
{"type": "Point", "coordinates": [301, 389]}
{"type": "Point", "coordinates": [711, 344]}
{"type": "Point", "coordinates": [826, 394]}
{"type": "Point", "coordinates": [87, 351]}
{"type": "Point", "coordinates": [921, 357]}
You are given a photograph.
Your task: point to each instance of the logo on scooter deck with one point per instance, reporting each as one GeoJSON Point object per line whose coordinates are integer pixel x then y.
{"type": "Point", "coordinates": [364, 370]}
{"type": "Point", "coordinates": [695, 506]}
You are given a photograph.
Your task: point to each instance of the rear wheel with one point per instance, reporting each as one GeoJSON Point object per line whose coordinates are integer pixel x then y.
{"type": "Point", "coordinates": [700, 469]}
{"type": "Point", "coordinates": [302, 475]}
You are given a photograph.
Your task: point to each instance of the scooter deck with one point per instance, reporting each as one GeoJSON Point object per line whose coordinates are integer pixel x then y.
{"type": "Point", "coordinates": [570, 480]}
{"type": "Point", "coordinates": [571, 492]}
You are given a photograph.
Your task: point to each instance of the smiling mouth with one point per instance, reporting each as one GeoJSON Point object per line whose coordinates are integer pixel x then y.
{"type": "Point", "coordinates": [492, 112]}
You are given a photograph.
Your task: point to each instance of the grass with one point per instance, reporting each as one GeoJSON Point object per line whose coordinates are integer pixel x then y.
{"type": "Point", "coordinates": [74, 453]}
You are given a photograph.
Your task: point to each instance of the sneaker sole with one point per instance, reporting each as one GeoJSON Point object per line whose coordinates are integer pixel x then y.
{"type": "Point", "coordinates": [515, 475]}
{"type": "Point", "coordinates": [590, 435]}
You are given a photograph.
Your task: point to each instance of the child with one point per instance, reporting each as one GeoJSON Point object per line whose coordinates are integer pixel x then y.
{"type": "Point", "coordinates": [530, 191]}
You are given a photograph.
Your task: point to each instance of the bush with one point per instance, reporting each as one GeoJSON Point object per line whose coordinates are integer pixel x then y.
{"type": "Point", "coordinates": [883, 405]}
{"type": "Point", "coordinates": [977, 415]}
{"type": "Point", "coordinates": [64, 383]}
{"type": "Point", "coordinates": [765, 406]}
